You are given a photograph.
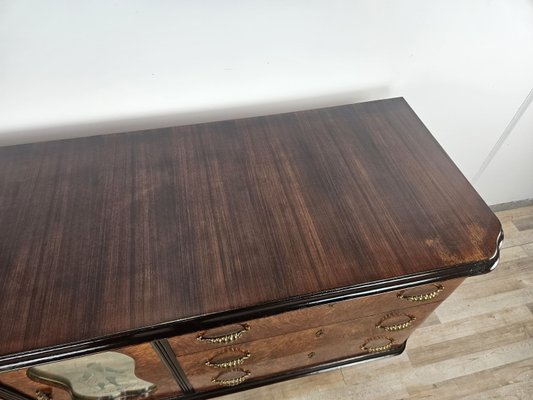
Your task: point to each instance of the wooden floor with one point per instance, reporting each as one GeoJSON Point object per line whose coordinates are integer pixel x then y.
{"type": "Point", "coordinates": [477, 345]}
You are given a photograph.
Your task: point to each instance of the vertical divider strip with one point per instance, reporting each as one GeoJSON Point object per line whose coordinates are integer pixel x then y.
{"type": "Point", "coordinates": [168, 357]}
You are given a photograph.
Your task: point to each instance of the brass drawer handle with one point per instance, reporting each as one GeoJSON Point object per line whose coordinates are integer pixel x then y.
{"type": "Point", "coordinates": [43, 395]}
{"type": "Point", "coordinates": [422, 297]}
{"type": "Point", "coordinates": [229, 363]}
{"type": "Point", "coordinates": [376, 349]}
{"type": "Point", "coordinates": [231, 381]}
{"type": "Point", "coordinates": [398, 326]}
{"type": "Point", "coordinates": [224, 338]}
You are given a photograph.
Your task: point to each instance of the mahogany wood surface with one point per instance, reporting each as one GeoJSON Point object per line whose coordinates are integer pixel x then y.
{"type": "Point", "coordinates": [149, 367]}
{"type": "Point", "coordinates": [108, 234]}
{"type": "Point", "coordinates": [292, 321]}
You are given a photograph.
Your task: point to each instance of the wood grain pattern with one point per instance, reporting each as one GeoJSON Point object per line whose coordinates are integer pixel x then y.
{"type": "Point", "coordinates": [332, 313]}
{"type": "Point", "coordinates": [149, 367]}
{"type": "Point", "coordinates": [485, 353]}
{"type": "Point", "coordinates": [107, 234]}
{"type": "Point", "coordinates": [292, 351]}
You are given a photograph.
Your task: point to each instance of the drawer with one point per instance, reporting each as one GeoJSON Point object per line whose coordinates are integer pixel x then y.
{"type": "Point", "coordinates": [232, 365]}
{"type": "Point", "coordinates": [298, 320]}
{"type": "Point", "coordinates": [147, 367]}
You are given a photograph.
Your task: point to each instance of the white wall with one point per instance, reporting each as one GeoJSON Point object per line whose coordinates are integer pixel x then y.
{"type": "Point", "coordinates": [510, 173]}
{"type": "Point", "coordinates": [73, 68]}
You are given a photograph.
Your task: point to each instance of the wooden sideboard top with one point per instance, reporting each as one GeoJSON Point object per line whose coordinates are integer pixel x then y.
{"type": "Point", "coordinates": [113, 234]}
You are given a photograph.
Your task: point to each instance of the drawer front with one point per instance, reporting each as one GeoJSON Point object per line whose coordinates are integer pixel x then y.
{"type": "Point", "coordinates": [298, 320]}
{"type": "Point", "coordinates": [232, 365]}
{"type": "Point", "coordinates": [147, 367]}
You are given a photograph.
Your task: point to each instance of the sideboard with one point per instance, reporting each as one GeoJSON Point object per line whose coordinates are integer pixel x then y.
{"type": "Point", "coordinates": [195, 261]}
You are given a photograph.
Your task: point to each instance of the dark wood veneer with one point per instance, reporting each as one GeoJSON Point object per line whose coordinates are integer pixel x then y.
{"type": "Point", "coordinates": [120, 239]}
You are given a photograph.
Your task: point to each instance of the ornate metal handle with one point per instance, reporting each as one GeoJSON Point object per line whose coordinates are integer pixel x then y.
{"type": "Point", "coordinates": [422, 297]}
{"type": "Point", "coordinates": [232, 381]}
{"type": "Point", "coordinates": [398, 326]}
{"type": "Point", "coordinates": [43, 395]}
{"type": "Point", "coordinates": [376, 349]}
{"type": "Point", "coordinates": [230, 363]}
{"type": "Point", "coordinates": [225, 338]}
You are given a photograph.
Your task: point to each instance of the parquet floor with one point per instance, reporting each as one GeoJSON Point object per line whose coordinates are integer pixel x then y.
{"type": "Point", "coordinates": [477, 345]}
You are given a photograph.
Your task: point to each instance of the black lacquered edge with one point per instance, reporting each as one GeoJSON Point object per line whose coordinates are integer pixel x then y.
{"type": "Point", "coordinates": [293, 374]}
{"type": "Point", "coordinates": [8, 393]}
{"type": "Point", "coordinates": [168, 357]}
{"type": "Point", "coordinates": [188, 325]}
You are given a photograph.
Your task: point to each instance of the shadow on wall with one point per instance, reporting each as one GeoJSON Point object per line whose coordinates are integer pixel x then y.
{"type": "Point", "coordinates": [177, 118]}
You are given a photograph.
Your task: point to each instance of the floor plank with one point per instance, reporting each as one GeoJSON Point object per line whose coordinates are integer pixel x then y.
{"type": "Point", "coordinates": [476, 383]}
{"type": "Point", "coordinates": [524, 223]}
